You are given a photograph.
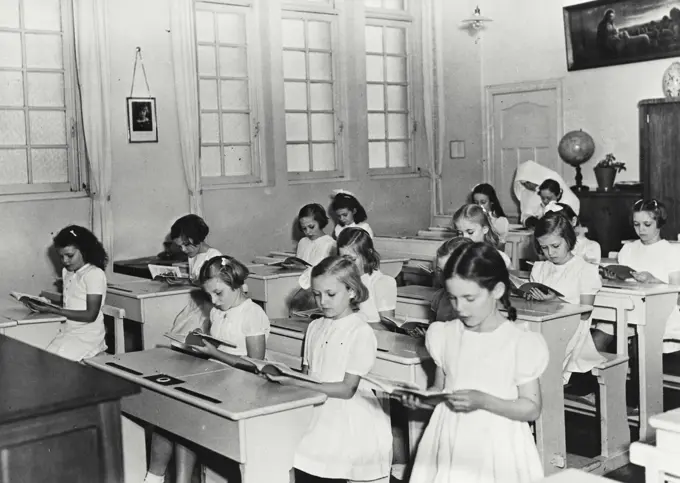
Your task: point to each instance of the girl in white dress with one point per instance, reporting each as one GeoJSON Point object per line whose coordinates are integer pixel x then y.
{"type": "Point", "coordinates": [356, 244]}
{"type": "Point", "coordinates": [473, 222]}
{"type": "Point", "coordinates": [350, 436]}
{"type": "Point", "coordinates": [491, 367]}
{"type": "Point", "coordinates": [84, 260]}
{"type": "Point", "coordinates": [485, 196]}
{"type": "Point", "coordinates": [577, 280]}
{"type": "Point", "coordinates": [235, 319]}
{"type": "Point", "coordinates": [316, 245]}
{"type": "Point", "coordinates": [585, 248]}
{"type": "Point", "coordinates": [348, 212]}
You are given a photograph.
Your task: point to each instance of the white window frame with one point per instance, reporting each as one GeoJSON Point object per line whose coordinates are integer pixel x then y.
{"type": "Point", "coordinates": [321, 12]}
{"type": "Point", "coordinates": [254, 79]}
{"type": "Point", "coordinates": [76, 158]}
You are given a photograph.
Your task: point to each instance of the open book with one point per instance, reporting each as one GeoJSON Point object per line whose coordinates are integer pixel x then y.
{"type": "Point", "coordinates": [195, 339]}
{"type": "Point", "coordinates": [24, 297]}
{"type": "Point", "coordinates": [166, 273]}
{"type": "Point", "coordinates": [620, 272]}
{"type": "Point", "coordinates": [520, 288]}
{"type": "Point", "coordinates": [404, 327]}
{"type": "Point", "coordinates": [403, 388]}
{"type": "Point", "coordinates": [292, 263]}
{"type": "Point", "coordinates": [277, 369]}
{"type": "Point", "coordinates": [312, 314]}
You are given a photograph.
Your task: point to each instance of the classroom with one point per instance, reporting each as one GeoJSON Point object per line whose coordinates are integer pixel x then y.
{"type": "Point", "coordinates": [218, 142]}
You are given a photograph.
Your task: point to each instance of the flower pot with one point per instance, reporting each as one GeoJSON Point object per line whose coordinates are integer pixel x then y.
{"type": "Point", "coordinates": [605, 178]}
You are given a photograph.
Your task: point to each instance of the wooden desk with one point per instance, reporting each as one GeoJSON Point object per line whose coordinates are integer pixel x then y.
{"type": "Point", "coordinates": [236, 414]}
{"type": "Point", "coordinates": [272, 286]}
{"type": "Point", "coordinates": [390, 264]}
{"type": "Point", "coordinates": [139, 267]}
{"type": "Point", "coordinates": [660, 461]}
{"type": "Point", "coordinates": [414, 301]}
{"type": "Point", "coordinates": [18, 322]}
{"type": "Point", "coordinates": [59, 420]}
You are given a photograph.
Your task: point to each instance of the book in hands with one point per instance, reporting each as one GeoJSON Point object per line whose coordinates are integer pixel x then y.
{"type": "Point", "coordinates": [292, 263]}
{"type": "Point", "coordinates": [40, 301]}
{"type": "Point", "coordinates": [397, 389]}
{"type": "Point", "coordinates": [277, 369]}
{"type": "Point", "coordinates": [166, 273]}
{"type": "Point", "coordinates": [520, 289]}
{"type": "Point", "coordinates": [312, 314]}
{"type": "Point", "coordinates": [196, 338]}
{"type": "Point", "coordinates": [404, 327]}
{"type": "Point", "coordinates": [620, 272]}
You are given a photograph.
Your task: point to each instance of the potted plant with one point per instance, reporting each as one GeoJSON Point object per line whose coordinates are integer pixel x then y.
{"type": "Point", "coordinates": [605, 172]}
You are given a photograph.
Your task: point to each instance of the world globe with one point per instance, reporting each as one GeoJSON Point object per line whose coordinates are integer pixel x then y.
{"type": "Point", "coordinates": [575, 148]}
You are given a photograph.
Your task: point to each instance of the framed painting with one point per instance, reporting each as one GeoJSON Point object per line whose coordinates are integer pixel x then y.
{"type": "Point", "coordinates": [611, 32]}
{"type": "Point", "coordinates": [142, 127]}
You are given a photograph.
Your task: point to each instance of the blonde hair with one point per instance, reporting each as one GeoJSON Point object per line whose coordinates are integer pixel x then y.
{"type": "Point", "coordinates": [478, 215]}
{"type": "Point", "coordinates": [344, 269]}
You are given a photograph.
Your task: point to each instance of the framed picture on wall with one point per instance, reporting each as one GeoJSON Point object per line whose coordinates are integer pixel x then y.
{"type": "Point", "coordinates": [142, 126]}
{"type": "Point", "coordinates": [611, 32]}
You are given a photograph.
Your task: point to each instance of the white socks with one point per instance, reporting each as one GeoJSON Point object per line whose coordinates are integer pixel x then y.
{"type": "Point", "coordinates": [151, 478]}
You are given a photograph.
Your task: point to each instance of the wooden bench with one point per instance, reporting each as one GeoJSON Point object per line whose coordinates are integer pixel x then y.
{"type": "Point", "coordinates": [661, 462]}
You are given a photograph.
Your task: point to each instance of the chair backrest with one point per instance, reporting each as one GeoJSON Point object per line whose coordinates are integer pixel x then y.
{"type": "Point", "coordinates": [118, 315]}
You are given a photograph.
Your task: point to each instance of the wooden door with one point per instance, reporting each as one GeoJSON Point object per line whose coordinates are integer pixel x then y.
{"type": "Point", "coordinates": [525, 124]}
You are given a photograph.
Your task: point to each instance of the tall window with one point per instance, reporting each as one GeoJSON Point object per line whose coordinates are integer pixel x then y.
{"type": "Point", "coordinates": [308, 41]}
{"type": "Point", "coordinates": [37, 101]}
{"type": "Point", "coordinates": [228, 100]}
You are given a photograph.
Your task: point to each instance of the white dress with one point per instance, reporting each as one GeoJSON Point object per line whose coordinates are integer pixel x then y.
{"type": "Point", "coordinates": [502, 227]}
{"type": "Point", "coordinates": [237, 323]}
{"type": "Point", "coordinates": [313, 251]}
{"type": "Point", "coordinates": [197, 262]}
{"type": "Point", "coordinates": [348, 438]}
{"type": "Point", "coordinates": [573, 279]}
{"type": "Point", "coordinates": [382, 295]}
{"type": "Point", "coordinates": [363, 225]}
{"type": "Point", "coordinates": [479, 446]}
{"type": "Point", "coordinates": [587, 249]}
{"type": "Point", "coordinates": [80, 340]}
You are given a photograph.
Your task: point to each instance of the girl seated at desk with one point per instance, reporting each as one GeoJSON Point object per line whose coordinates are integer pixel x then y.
{"type": "Point", "coordinates": [473, 222]}
{"type": "Point", "coordinates": [84, 290]}
{"type": "Point", "coordinates": [315, 245]}
{"type": "Point", "coordinates": [347, 212]}
{"type": "Point", "coordinates": [585, 248]}
{"type": "Point", "coordinates": [491, 368]}
{"type": "Point", "coordinates": [350, 435]}
{"type": "Point", "coordinates": [234, 318]}
{"type": "Point", "coordinates": [441, 308]}
{"type": "Point", "coordinates": [485, 196]}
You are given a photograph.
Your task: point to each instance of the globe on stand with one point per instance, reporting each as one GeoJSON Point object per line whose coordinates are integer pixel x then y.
{"type": "Point", "coordinates": [576, 148]}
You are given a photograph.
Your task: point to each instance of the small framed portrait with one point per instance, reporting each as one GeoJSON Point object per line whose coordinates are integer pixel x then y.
{"type": "Point", "coordinates": [142, 126]}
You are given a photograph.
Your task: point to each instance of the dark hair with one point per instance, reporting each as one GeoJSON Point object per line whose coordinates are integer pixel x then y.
{"type": "Point", "coordinates": [84, 240]}
{"type": "Point", "coordinates": [447, 248]}
{"type": "Point", "coordinates": [360, 241]}
{"type": "Point", "coordinates": [656, 209]}
{"type": "Point", "coordinates": [191, 228]}
{"type": "Point", "coordinates": [226, 268]}
{"type": "Point", "coordinates": [346, 272]}
{"type": "Point", "coordinates": [316, 211]}
{"type": "Point", "coordinates": [344, 200]}
{"type": "Point", "coordinates": [552, 186]}
{"type": "Point", "coordinates": [554, 223]}
{"type": "Point", "coordinates": [481, 263]}
{"type": "Point", "coordinates": [569, 212]}
{"type": "Point", "coordinates": [477, 214]}
{"type": "Point", "coordinates": [487, 190]}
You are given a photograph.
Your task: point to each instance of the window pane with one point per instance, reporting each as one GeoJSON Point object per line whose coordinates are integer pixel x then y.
{"type": "Point", "coordinates": [43, 51]}
{"type": "Point", "coordinates": [45, 89]}
{"type": "Point", "coordinates": [42, 15]}
{"type": "Point", "coordinates": [208, 91]}
{"type": "Point", "coordinates": [319, 35]}
{"type": "Point", "coordinates": [296, 127]}
{"type": "Point", "coordinates": [234, 94]}
{"type": "Point", "coordinates": [237, 160]}
{"type": "Point", "coordinates": [206, 60]}
{"type": "Point", "coordinates": [398, 155]}
{"type": "Point", "coordinates": [396, 69]}
{"type": "Point", "coordinates": [296, 95]}
{"type": "Point", "coordinates": [231, 28]}
{"type": "Point", "coordinates": [211, 165]}
{"type": "Point", "coordinates": [235, 128]}
{"type": "Point", "coordinates": [298, 157]}
{"type": "Point", "coordinates": [373, 3]}
{"type": "Point", "coordinates": [323, 157]}
{"type": "Point", "coordinates": [11, 89]}
{"type": "Point", "coordinates": [12, 127]}
{"type": "Point", "coordinates": [397, 126]}
{"type": "Point", "coordinates": [233, 62]}
{"type": "Point", "coordinates": [9, 13]}
{"type": "Point", "coordinates": [374, 39]}
{"type": "Point", "coordinates": [323, 128]}
{"type": "Point", "coordinates": [49, 165]}
{"type": "Point", "coordinates": [47, 127]}
{"type": "Point", "coordinates": [395, 41]}
{"type": "Point", "coordinates": [394, 4]}
{"type": "Point", "coordinates": [374, 68]}
{"type": "Point", "coordinates": [321, 96]}
{"type": "Point", "coordinates": [10, 53]}
{"type": "Point", "coordinates": [320, 66]}
{"type": "Point", "coordinates": [13, 166]}
{"type": "Point", "coordinates": [294, 65]}
{"type": "Point", "coordinates": [293, 33]}
{"type": "Point", "coordinates": [210, 128]}
{"type": "Point", "coordinates": [376, 155]}
{"type": "Point", "coordinates": [397, 98]}
{"type": "Point", "coordinates": [205, 29]}
{"type": "Point", "coordinates": [376, 126]}
{"type": "Point", "coordinates": [375, 97]}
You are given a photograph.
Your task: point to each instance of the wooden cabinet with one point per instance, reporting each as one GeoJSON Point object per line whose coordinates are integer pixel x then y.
{"type": "Point", "coordinates": [607, 215]}
{"type": "Point", "coordinates": [59, 420]}
{"type": "Point", "coordinates": [659, 157]}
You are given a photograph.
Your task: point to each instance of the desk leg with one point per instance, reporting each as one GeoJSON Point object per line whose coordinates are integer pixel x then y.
{"type": "Point", "coordinates": [278, 292]}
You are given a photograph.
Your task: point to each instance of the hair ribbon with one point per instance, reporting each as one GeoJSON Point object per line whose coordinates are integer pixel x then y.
{"type": "Point", "coordinates": [340, 191]}
{"type": "Point", "coordinates": [553, 206]}
{"type": "Point", "coordinates": [72, 232]}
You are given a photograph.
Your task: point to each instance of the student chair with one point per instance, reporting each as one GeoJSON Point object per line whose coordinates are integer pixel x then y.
{"type": "Point", "coordinates": [661, 462]}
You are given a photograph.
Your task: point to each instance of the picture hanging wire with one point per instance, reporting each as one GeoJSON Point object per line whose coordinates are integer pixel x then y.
{"type": "Point", "coordinates": [138, 57]}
